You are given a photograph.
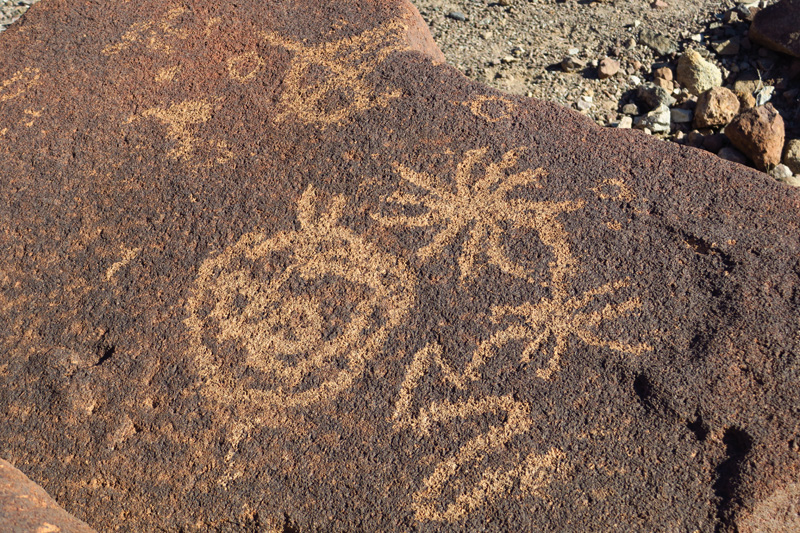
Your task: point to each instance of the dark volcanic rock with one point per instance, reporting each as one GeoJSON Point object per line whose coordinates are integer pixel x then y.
{"type": "Point", "coordinates": [267, 265]}
{"type": "Point", "coordinates": [778, 27]}
{"type": "Point", "coordinates": [26, 508]}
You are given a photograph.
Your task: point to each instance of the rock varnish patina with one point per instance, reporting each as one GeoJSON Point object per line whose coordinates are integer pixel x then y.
{"type": "Point", "coordinates": [274, 266]}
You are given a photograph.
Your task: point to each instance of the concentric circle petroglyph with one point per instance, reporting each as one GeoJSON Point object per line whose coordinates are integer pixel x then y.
{"type": "Point", "coordinates": [304, 311]}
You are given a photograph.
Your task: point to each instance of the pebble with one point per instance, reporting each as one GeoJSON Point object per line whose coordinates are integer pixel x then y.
{"type": "Point", "coordinates": [653, 96]}
{"type": "Point", "coordinates": [759, 133]}
{"type": "Point", "coordinates": [667, 85]}
{"type": "Point", "coordinates": [716, 107]}
{"type": "Point", "coordinates": [781, 172]}
{"type": "Point", "coordinates": [732, 154]}
{"type": "Point", "coordinates": [665, 73]}
{"type": "Point", "coordinates": [661, 44]}
{"type": "Point", "coordinates": [680, 116]}
{"type": "Point", "coordinates": [572, 64]}
{"type": "Point", "coordinates": [657, 120]}
{"type": "Point", "coordinates": [608, 67]}
{"type": "Point", "coordinates": [697, 74]}
{"type": "Point", "coordinates": [630, 109]}
{"type": "Point", "coordinates": [714, 142]}
{"type": "Point", "coordinates": [791, 155]}
{"type": "Point", "coordinates": [457, 15]}
{"type": "Point", "coordinates": [625, 123]}
{"type": "Point", "coordinates": [794, 181]}
{"type": "Point", "coordinates": [728, 47]}
{"type": "Point", "coordinates": [747, 100]}
{"type": "Point", "coordinates": [764, 95]}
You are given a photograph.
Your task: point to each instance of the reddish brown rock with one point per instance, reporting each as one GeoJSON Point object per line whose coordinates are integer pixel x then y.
{"type": "Point", "coordinates": [778, 27]}
{"type": "Point", "coordinates": [272, 266]}
{"type": "Point", "coordinates": [759, 133]}
{"type": "Point", "coordinates": [715, 107]}
{"type": "Point", "coordinates": [26, 508]}
{"type": "Point", "coordinates": [608, 67]}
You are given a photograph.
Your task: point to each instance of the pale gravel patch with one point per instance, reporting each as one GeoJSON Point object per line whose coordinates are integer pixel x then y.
{"type": "Point", "coordinates": [12, 10]}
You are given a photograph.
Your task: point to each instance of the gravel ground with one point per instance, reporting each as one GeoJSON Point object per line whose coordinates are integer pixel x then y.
{"type": "Point", "coordinates": [11, 10]}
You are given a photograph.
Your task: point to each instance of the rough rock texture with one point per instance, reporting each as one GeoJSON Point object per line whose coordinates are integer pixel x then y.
{"type": "Point", "coordinates": [697, 74]}
{"type": "Point", "coordinates": [791, 155]}
{"type": "Point", "coordinates": [778, 27]}
{"type": "Point", "coordinates": [759, 133]}
{"type": "Point", "coordinates": [715, 107]}
{"type": "Point", "coordinates": [26, 508]}
{"type": "Point", "coordinates": [267, 266]}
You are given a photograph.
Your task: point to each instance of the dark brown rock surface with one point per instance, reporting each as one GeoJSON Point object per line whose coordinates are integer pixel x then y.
{"type": "Point", "coordinates": [778, 27]}
{"type": "Point", "coordinates": [271, 266]}
{"type": "Point", "coordinates": [26, 508]}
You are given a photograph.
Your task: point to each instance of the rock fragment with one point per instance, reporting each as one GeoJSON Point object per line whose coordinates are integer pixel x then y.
{"type": "Point", "coordinates": [680, 116]}
{"type": "Point", "coordinates": [572, 64]}
{"type": "Point", "coordinates": [791, 155]}
{"type": "Point", "coordinates": [732, 154]}
{"type": "Point", "coordinates": [759, 134]}
{"type": "Point", "coordinates": [697, 74]}
{"type": "Point", "coordinates": [657, 120]}
{"type": "Point", "coordinates": [778, 27]}
{"type": "Point", "coordinates": [781, 172]}
{"type": "Point", "coordinates": [661, 44]}
{"type": "Point", "coordinates": [715, 107]}
{"type": "Point", "coordinates": [608, 67]}
{"type": "Point", "coordinates": [653, 96]}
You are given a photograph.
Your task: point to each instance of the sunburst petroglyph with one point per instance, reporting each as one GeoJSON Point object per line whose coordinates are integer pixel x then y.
{"type": "Point", "coordinates": [340, 88]}
{"type": "Point", "coordinates": [481, 207]}
{"type": "Point", "coordinates": [533, 471]}
{"type": "Point", "coordinates": [308, 308]}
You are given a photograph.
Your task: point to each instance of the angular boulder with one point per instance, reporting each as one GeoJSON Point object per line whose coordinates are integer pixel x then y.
{"type": "Point", "coordinates": [759, 133]}
{"type": "Point", "coordinates": [716, 107]}
{"type": "Point", "coordinates": [272, 266]}
{"type": "Point", "coordinates": [778, 27]}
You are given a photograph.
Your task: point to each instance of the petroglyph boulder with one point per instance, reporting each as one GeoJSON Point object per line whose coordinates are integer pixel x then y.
{"type": "Point", "coordinates": [274, 266]}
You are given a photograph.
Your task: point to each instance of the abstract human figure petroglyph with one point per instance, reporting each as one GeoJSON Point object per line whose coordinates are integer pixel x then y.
{"type": "Point", "coordinates": [481, 207]}
{"type": "Point", "coordinates": [491, 108]}
{"type": "Point", "coordinates": [308, 308]}
{"type": "Point", "coordinates": [338, 88]}
{"type": "Point", "coordinates": [533, 472]}
{"type": "Point", "coordinates": [180, 119]}
{"type": "Point", "coordinates": [18, 83]}
{"type": "Point", "coordinates": [155, 34]}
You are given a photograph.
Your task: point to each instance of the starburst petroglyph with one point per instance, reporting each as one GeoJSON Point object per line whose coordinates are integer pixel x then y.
{"type": "Point", "coordinates": [534, 471]}
{"type": "Point", "coordinates": [480, 207]}
{"type": "Point", "coordinates": [558, 317]}
{"type": "Point", "coordinates": [339, 87]}
{"type": "Point", "coordinates": [309, 308]}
